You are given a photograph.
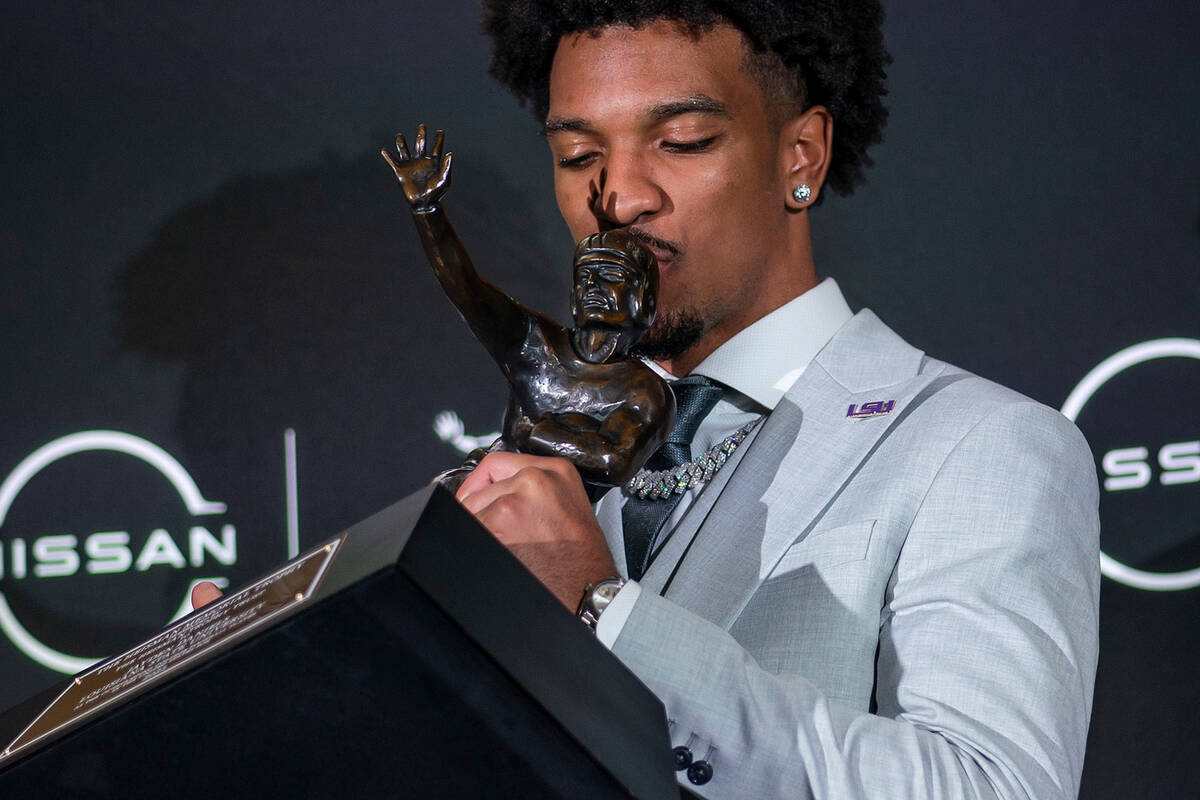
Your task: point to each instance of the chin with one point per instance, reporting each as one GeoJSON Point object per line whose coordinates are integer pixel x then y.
{"type": "Point", "coordinates": [671, 335]}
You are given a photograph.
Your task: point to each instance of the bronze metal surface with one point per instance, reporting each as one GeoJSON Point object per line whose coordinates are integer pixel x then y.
{"type": "Point", "coordinates": [574, 393]}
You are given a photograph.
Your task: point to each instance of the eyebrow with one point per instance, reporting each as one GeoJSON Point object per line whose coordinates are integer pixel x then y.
{"type": "Point", "coordinates": [560, 125]}
{"type": "Point", "coordinates": [695, 104]}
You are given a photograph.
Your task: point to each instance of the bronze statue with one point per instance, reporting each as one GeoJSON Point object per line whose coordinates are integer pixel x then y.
{"type": "Point", "coordinates": [574, 393]}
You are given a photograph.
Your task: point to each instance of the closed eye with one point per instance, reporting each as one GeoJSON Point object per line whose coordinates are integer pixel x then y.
{"type": "Point", "coordinates": [697, 146]}
{"type": "Point", "coordinates": [576, 162]}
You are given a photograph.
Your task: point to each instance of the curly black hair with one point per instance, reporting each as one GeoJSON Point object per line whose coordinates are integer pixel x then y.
{"type": "Point", "coordinates": [825, 52]}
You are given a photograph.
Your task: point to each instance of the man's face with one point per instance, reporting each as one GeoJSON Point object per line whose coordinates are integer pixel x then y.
{"type": "Point", "coordinates": [607, 294]}
{"type": "Point", "coordinates": [663, 133]}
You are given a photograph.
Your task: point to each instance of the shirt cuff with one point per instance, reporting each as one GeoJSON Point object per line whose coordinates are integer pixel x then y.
{"type": "Point", "coordinates": [612, 620]}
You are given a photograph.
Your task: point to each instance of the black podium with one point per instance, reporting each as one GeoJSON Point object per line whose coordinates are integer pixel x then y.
{"type": "Point", "coordinates": [411, 656]}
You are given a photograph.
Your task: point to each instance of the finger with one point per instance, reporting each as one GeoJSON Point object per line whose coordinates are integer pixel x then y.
{"type": "Point", "coordinates": [438, 138]}
{"type": "Point", "coordinates": [498, 466]}
{"type": "Point", "coordinates": [478, 500]}
{"type": "Point", "coordinates": [486, 472]}
{"type": "Point", "coordinates": [402, 147]}
{"type": "Point", "coordinates": [509, 509]}
{"type": "Point", "coordinates": [419, 142]}
{"type": "Point", "coordinates": [391, 161]}
{"type": "Point", "coordinates": [444, 175]}
{"type": "Point", "coordinates": [529, 507]}
{"type": "Point", "coordinates": [204, 593]}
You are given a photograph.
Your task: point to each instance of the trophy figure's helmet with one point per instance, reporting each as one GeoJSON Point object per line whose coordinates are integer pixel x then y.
{"type": "Point", "coordinates": [616, 282]}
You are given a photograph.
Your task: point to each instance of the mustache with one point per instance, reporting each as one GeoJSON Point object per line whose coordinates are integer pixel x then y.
{"type": "Point", "coordinates": [652, 240]}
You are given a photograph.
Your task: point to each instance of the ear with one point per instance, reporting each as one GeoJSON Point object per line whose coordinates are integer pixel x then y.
{"type": "Point", "coordinates": [805, 145]}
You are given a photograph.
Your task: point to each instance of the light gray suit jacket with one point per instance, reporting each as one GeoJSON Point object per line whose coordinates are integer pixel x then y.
{"type": "Point", "coordinates": [903, 605]}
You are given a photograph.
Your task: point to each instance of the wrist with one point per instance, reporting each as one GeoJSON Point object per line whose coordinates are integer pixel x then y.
{"type": "Point", "coordinates": [597, 597]}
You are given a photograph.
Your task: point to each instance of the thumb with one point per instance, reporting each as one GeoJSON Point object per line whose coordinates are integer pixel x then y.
{"type": "Point", "coordinates": [204, 593]}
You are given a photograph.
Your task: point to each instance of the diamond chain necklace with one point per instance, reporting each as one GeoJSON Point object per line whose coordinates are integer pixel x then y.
{"type": "Point", "coordinates": [663, 483]}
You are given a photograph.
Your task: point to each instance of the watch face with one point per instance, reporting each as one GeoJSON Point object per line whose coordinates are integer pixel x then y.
{"type": "Point", "coordinates": [604, 592]}
{"type": "Point", "coordinates": [596, 599]}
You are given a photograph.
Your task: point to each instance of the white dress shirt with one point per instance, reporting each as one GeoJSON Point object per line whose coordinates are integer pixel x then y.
{"type": "Point", "coordinates": [759, 364]}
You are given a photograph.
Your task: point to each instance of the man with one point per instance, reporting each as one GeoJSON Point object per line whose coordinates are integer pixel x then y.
{"type": "Point", "coordinates": [891, 589]}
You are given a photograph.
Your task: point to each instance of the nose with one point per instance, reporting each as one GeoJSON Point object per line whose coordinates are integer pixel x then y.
{"type": "Point", "coordinates": [626, 193]}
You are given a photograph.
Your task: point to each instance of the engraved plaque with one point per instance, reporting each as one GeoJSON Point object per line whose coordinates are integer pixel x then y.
{"type": "Point", "coordinates": [218, 625]}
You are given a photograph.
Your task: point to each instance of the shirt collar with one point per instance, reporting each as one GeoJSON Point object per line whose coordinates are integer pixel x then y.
{"type": "Point", "coordinates": [764, 359]}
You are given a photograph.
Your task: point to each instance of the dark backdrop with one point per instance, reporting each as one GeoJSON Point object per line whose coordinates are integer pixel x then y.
{"type": "Point", "coordinates": [201, 249]}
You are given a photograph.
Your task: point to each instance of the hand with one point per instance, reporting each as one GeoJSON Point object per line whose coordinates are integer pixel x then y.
{"type": "Point", "coordinates": [204, 593]}
{"type": "Point", "coordinates": [537, 508]}
{"type": "Point", "coordinates": [424, 178]}
{"type": "Point", "coordinates": [448, 427]}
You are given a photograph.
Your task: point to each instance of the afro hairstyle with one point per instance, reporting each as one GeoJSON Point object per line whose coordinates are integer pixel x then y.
{"type": "Point", "coordinates": [833, 50]}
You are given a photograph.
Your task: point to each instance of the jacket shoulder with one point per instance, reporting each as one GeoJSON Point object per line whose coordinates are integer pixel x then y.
{"type": "Point", "coordinates": [868, 356]}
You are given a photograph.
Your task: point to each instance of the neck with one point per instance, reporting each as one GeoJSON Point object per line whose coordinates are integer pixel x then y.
{"type": "Point", "coordinates": [791, 284]}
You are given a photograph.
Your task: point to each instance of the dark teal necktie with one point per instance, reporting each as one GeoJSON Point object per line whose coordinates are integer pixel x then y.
{"type": "Point", "coordinates": [643, 520]}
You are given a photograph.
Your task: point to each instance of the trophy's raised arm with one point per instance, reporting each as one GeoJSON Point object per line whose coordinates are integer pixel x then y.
{"type": "Point", "coordinates": [579, 393]}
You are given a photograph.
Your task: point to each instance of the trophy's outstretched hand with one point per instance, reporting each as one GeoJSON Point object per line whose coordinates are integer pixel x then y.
{"type": "Point", "coordinates": [425, 178]}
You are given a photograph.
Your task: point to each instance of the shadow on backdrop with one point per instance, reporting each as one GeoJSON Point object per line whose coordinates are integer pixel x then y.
{"type": "Point", "coordinates": [303, 300]}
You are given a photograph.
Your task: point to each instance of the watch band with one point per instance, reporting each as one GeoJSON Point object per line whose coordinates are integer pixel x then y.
{"type": "Point", "coordinates": [596, 598]}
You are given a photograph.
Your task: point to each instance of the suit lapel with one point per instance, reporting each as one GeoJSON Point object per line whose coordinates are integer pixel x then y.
{"type": "Point", "coordinates": [608, 515]}
{"type": "Point", "coordinates": [663, 565]}
{"type": "Point", "coordinates": [807, 450]}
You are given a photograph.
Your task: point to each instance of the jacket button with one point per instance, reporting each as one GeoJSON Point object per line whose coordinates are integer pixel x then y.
{"type": "Point", "coordinates": [683, 757]}
{"type": "Point", "coordinates": [700, 773]}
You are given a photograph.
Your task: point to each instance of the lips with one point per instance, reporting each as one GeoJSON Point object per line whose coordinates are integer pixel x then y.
{"type": "Point", "coordinates": [665, 252]}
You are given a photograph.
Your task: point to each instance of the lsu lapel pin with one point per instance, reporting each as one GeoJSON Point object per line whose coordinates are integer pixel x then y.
{"type": "Point", "coordinates": [876, 409]}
